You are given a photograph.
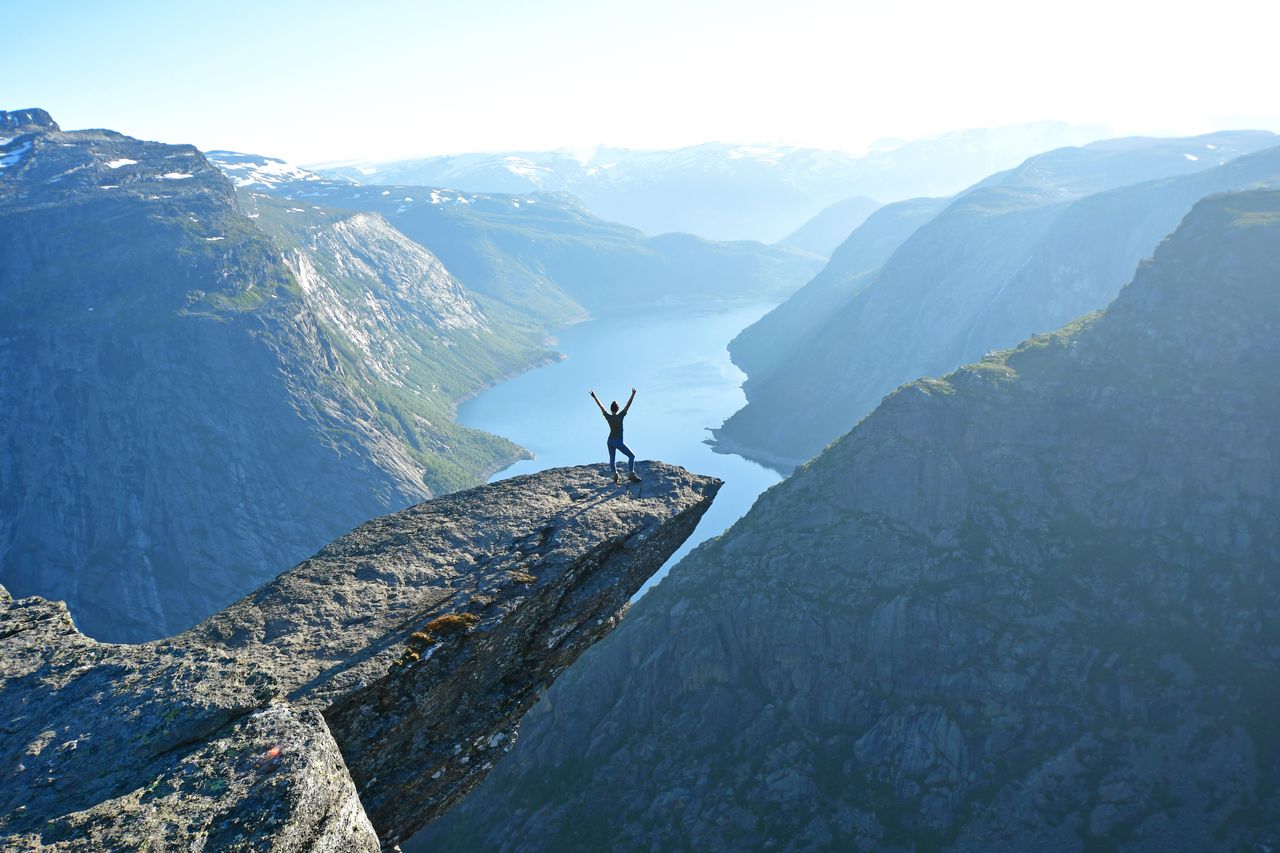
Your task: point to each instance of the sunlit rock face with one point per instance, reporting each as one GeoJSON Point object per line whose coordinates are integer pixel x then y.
{"type": "Point", "coordinates": [1031, 605]}
{"type": "Point", "coordinates": [347, 702]}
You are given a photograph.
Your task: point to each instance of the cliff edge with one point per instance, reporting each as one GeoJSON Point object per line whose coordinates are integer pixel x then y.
{"type": "Point", "coordinates": [344, 704]}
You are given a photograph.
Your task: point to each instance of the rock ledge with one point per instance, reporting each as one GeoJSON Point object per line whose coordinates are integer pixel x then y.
{"type": "Point", "coordinates": [349, 701]}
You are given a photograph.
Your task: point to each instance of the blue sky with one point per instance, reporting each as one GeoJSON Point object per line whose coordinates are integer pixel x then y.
{"type": "Point", "coordinates": [314, 81]}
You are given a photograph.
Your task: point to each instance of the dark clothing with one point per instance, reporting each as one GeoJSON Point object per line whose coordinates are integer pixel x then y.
{"type": "Point", "coordinates": [615, 444]}
{"type": "Point", "coordinates": [615, 440]}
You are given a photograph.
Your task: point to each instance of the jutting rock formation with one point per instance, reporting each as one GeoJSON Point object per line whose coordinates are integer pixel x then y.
{"type": "Point", "coordinates": [345, 703]}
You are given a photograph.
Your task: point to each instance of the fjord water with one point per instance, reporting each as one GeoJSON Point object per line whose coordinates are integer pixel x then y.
{"type": "Point", "coordinates": [677, 360]}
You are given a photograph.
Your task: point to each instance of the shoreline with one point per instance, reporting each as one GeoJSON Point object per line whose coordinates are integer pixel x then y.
{"type": "Point", "coordinates": [684, 307]}
{"type": "Point", "coordinates": [784, 466]}
{"type": "Point", "coordinates": [522, 453]}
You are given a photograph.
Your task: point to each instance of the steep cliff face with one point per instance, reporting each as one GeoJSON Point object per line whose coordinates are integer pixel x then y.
{"type": "Point", "coordinates": [181, 416]}
{"type": "Point", "coordinates": [408, 333]}
{"type": "Point", "coordinates": [1018, 254]}
{"type": "Point", "coordinates": [1032, 605]}
{"type": "Point", "coordinates": [345, 703]}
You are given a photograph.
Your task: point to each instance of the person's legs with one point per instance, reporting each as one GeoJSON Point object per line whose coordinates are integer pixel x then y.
{"type": "Point", "coordinates": [613, 457]}
{"type": "Point", "coordinates": [631, 458]}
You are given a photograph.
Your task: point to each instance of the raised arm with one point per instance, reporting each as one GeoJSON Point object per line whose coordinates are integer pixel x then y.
{"type": "Point", "coordinates": [598, 403]}
{"type": "Point", "coordinates": [629, 399]}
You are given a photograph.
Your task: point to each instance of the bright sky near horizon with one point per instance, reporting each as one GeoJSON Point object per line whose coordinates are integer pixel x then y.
{"type": "Point", "coordinates": [383, 79]}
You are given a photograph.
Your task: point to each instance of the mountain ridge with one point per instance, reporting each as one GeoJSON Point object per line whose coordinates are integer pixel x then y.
{"type": "Point", "coordinates": [25, 120]}
{"type": "Point", "coordinates": [731, 191]}
{"type": "Point", "coordinates": [832, 225]}
{"type": "Point", "coordinates": [1021, 252]}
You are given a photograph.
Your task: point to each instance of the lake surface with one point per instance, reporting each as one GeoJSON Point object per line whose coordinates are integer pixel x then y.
{"type": "Point", "coordinates": [685, 384]}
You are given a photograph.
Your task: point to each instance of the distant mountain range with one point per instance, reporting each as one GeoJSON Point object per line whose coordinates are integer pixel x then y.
{"type": "Point", "coordinates": [767, 342]}
{"type": "Point", "coordinates": [729, 192]}
{"type": "Point", "coordinates": [1028, 606]}
{"type": "Point", "coordinates": [256, 172]}
{"type": "Point", "coordinates": [543, 253]}
{"type": "Point", "coordinates": [917, 293]}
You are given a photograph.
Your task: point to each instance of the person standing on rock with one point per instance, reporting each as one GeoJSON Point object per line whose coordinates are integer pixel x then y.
{"type": "Point", "coordinates": [614, 417]}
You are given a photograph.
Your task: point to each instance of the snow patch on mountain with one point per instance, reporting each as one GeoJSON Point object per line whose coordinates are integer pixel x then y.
{"type": "Point", "coordinates": [13, 157]}
{"type": "Point", "coordinates": [255, 171]}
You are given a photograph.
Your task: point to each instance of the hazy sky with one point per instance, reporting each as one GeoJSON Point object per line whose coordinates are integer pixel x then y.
{"type": "Point", "coordinates": [318, 80]}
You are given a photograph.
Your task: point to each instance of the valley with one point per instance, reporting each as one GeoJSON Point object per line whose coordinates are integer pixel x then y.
{"type": "Point", "coordinates": [958, 525]}
{"type": "Point", "coordinates": [678, 361]}
{"type": "Point", "coordinates": [202, 383]}
{"type": "Point", "coordinates": [1030, 604]}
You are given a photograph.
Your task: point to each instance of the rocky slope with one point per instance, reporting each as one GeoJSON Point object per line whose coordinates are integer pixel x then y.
{"type": "Point", "coordinates": [406, 320]}
{"type": "Point", "coordinates": [725, 191]}
{"type": "Point", "coordinates": [1032, 605]}
{"type": "Point", "coordinates": [345, 703]}
{"type": "Point", "coordinates": [188, 401]}
{"type": "Point", "coordinates": [1020, 253]}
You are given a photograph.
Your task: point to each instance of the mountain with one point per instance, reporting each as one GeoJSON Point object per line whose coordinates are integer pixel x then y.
{"type": "Point", "coordinates": [343, 704]}
{"type": "Point", "coordinates": [1031, 605]}
{"type": "Point", "coordinates": [545, 255]}
{"type": "Point", "coordinates": [759, 348]}
{"type": "Point", "coordinates": [725, 191]}
{"type": "Point", "coordinates": [1021, 252]}
{"type": "Point", "coordinates": [425, 330]}
{"type": "Point", "coordinates": [24, 121]}
{"type": "Point", "coordinates": [832, 226]}
{"type": "Point", "coordinates": [191, 399]}
{"type": "Point", "coordinates": [254, 171]}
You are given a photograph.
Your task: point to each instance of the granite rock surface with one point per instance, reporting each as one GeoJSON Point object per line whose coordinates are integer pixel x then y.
{"type": "Point", "coordinates": [347, 702]}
